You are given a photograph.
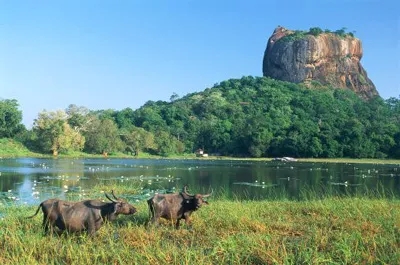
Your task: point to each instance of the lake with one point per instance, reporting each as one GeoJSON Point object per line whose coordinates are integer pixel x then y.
{"type": "Point", "coordinates": [31, 180]}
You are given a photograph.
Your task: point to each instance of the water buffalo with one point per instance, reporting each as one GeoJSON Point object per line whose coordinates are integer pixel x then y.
{"type": "Point", "coordinates": [86, 215]}
{"type": "Point", "coordinates": [175, 206]}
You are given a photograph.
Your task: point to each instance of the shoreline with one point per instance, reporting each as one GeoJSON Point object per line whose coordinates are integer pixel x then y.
{"type": "Point", "coordinates": [210, 158]}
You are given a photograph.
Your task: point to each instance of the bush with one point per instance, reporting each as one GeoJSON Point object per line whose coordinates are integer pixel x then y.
{"type": "Point", "coordinates": [297, 35]}
{"type": "Point", "coordinates": [315, 31]}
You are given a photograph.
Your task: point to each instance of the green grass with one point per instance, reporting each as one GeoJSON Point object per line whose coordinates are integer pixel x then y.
{"type": "Point", "coordinates": [329, 231]}
{"type": "Point", "coordinates": [12, 148]}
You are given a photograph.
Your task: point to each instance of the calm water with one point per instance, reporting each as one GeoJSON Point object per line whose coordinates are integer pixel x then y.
{"type": "Point", "coordinates": [31, 180]}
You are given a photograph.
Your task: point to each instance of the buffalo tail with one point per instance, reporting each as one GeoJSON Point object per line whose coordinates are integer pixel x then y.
{"type": "Point", "coordinates": [40, 205]}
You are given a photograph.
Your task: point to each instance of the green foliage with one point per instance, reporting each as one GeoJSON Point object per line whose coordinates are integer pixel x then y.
{"type": "Point", "coordinates": [11, 148]}
{"type": "Point", "coordinates": [167, 144]}
{"type": "Point", "coordinates": [48, 127]}
{"type": "Point", "coordinates": [102, 137]}
{"type": "Point", "coordinates": [10, 118]}
{"type": "Point", "coordinates": [52, 132]}
{"type": "Point", "coordinates": [296, 35]}
{"type": "Point", "coordinates": [138, 139]}
{"type": "Point", "coordinates": [78, 117]}
{"type": "Point", "coordinates": [174, 97]}
{"type": "Point", "coordinates": [261, 117]}
{"type": "Point", "coordinates": [315, 31]}
{"type": "Point", "coordinates": [247, 117]}
{"type": "Point", "coordinates": [70, 140]}
{"type": "Point", "coordinates": [124, 118]}
{"type": "Point", "coordinates": [362, 79]}
{"type": "Point", "coordinates": [343, 33]}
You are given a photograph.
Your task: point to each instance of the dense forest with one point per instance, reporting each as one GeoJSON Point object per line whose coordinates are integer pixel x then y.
{"type": "Point", "coordinates": [247, 117]}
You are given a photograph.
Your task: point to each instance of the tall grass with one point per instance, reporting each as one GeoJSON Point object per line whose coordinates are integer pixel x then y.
{"type": "Point", "coordinates": [314, 231]}
{"type": "Point", "coordinates": [12, 148]}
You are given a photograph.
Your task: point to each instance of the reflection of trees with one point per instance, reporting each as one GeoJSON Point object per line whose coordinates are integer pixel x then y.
{"type": "Point", "coordinates": [8, 180]}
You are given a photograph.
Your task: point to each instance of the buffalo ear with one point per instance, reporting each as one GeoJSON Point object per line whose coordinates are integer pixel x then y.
{"type": "Point", "coordinates": [117, 206]}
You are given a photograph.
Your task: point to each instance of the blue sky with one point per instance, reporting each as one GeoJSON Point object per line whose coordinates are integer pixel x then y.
{"type": "Point", "coordinates": [118, 54]}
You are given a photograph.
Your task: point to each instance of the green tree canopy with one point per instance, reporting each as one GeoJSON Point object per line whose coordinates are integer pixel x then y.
{"type": "Point", "coordinates": [138, 139]}
{"type": "Point", "coordinates": [55, 134]}
{"type": "Point", "coordinates": [10, 118]}
{"type": "Point", "coordinates": [103, 137]}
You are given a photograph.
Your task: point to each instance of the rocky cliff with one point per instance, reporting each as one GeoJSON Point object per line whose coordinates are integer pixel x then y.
{"type": "Point", "coordinates": [329, 58]}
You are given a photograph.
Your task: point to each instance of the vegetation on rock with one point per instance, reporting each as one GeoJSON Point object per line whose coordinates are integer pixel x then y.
{"type": "Point", "coordinates": [315, 31]}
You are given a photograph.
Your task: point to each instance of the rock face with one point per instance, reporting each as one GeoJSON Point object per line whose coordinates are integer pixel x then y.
{"type": "Point", "coordinates": [328, 58]}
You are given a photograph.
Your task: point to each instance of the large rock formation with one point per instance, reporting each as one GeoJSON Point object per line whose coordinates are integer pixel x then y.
{"type": "Point", "coordinates": [329, 58]}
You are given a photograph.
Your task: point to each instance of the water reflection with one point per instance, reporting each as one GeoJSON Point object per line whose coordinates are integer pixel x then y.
{"type": "Point", "coordinates": [31, 180]}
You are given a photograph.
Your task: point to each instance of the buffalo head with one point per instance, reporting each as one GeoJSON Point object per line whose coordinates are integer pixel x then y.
{"type": "Point", "coordinates": [121, 205]}
{"type": "Point", "coordinates": [196, 200]}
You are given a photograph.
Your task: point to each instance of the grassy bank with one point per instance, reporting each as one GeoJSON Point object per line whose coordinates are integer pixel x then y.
{"type": "Point", "coordinates": [329, 231]}
{"type": "Point", "coordinates": [351, 160]}
{"type": "Point", "coordinates": [10, 148]}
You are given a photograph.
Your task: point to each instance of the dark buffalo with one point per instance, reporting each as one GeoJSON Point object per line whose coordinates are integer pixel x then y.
{"type": "Point", "coordinates": [86, 215]}
{"type": "Point", "coordinates": [175, 206]}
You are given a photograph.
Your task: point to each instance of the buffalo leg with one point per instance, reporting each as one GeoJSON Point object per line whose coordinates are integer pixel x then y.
{"type": "Point", "coordinates": [177, 223]}
{"type": "Point", "coordinates": [154, 215]}
{"type": "Point", "coordinates": [91, 231]}
{"type": "Point", "coordinates": [48, 224]}
{"type": "Point", "coordinates": [45, 224]}
{"type": "Point", "coordinates": [187, 220]}
{"type": "Point", "coordinates": [91, 228]}
{"type": "Point", "coordinates": [154, 220]}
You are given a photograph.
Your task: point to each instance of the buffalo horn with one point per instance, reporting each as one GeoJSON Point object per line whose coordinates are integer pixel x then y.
{"type": "Point", "coordinates": [112, 192]}
{"type": "Point", "coordinates": [109, 197]}
{"type": "Point", "coordinates": [208, 195]}
{"type": "Point", "coordinates": [185, 191]}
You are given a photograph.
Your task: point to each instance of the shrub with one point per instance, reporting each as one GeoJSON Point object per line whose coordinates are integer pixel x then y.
{"type": "Point", "coordinates": [315, 31]}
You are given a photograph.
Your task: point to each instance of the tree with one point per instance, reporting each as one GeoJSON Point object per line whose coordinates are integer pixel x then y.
{"type": "Point", "coordinates": [174, 97]}
{"type": "Point", "coordinates": [79, 117]}
{"type": "Point", "coordinates": [55, 134]}
{"type": "Point", "coordinates": [10, 118]}
{"type": "Point", "coordinates": [125, 118]}
{"type": "Point", "coordinates": [167, 144]}
{"type": "Point", "coordinates": [341, 32]}
{"type": "Point", "coordinates": [48, 127]}
{"type": "Point", "coordinates": [243, 117]}
{"type": "Point", "coordinates": [315, 31]}
{"type": "Point", "coordinates": [70, 139]}
{"type": "Point", "coordinates": [102, 137]}
{"type": "Point", "coordinates": [138, 140]}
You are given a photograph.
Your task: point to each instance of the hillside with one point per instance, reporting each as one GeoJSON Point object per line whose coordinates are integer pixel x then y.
{"type": "Point", "coordinates": [258, 116]}
{"type": "Point", "coordinates": [247, 117]}
{"type": "Point", "coordinates": [10, 148]}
